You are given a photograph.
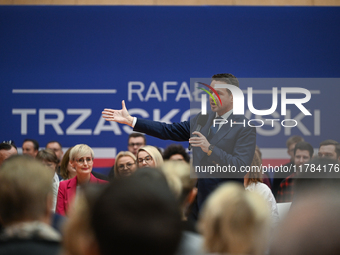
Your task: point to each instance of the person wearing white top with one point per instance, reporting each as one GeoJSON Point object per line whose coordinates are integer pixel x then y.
{"type": "Point", "coordinates": [253, 183]}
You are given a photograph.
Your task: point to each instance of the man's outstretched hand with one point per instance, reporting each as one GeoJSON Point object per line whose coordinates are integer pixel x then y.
{"type": "Point", "coordinates": [121, 116]}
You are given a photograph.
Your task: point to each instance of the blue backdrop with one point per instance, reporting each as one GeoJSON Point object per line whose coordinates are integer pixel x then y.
{"type": "Point", "coordinates": [147, 55]}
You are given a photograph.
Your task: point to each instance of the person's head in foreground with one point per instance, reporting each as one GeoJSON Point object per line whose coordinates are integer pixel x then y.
{"type": "Point", "coordinates": [125, 164]}
{"type": "Point", "coordinates": [133, 217]}
{"type": "Point", "coordinates": [235, 221]}
{"type": "Point", "coordinates": [81, 157]}
{"type": "Point", "coordinates": [181, 184]}
{"type": "Point", "coordinates": [25, 201]}
{"type": "Point", "coordinates": [312, 224]}
{"type": "Point", "coordinates": [149, 156]}
{"type": "Point", "coordinates": [78, 234]}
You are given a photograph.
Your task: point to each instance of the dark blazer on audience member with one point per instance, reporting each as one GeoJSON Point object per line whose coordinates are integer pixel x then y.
{"type": "Point", "coordinates": [100, 176]}
{"type": "Point", "coordinates": [234, 146]}
{"type": "Point", "coordinates": [67, 192]}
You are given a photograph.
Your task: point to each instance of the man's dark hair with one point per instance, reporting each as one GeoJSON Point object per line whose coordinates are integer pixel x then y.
{"type": "Point", "coordinates": [332, 142]}
{"type": "Point", "coordinates": [133, 217]}
{"type": "Point", "coordinates": [135, 134]}
{"type": "Point", "coordinates": [304, 146]}
{"type": "Point", "coordinates": [35, 143]}
{"type": "Point", "coordinates": [226, 77]}
{"type": "Point", "coordinates": [53, 141]}
{"type": "Point", "coordinates": [7, 146]}
{"type": "Point", "coordinates": [173, 149]}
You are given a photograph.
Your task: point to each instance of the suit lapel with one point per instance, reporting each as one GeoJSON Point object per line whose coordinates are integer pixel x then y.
{"type": "Point", "coordinates": [224, 130]}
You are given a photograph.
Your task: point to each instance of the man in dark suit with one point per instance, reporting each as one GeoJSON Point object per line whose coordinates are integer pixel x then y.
{"type": "Point", "coordinates": [229, 145]}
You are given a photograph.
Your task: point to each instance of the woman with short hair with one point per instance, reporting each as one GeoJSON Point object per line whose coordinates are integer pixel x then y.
{"type": "Point", "coordinates": [125, 164]}
{"type": "Point", "coordinates": [81, 158]}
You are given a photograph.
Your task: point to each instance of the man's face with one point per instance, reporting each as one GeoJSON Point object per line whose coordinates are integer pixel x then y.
{"type": "Point", "coordinates": [290, 151]}
{"type": "Point", "coordinates": [28, 149]}
{"type": "Point", "coordinates": [226, 98]}
{"type": "Point", "coordinates": [301, 157]}
{"type": "Point", "coordinates": [135, 143]}
{"type": "Point", "coordinates": [4, 154]}
{"type": "Point", "coordinates": [327, 151]}
{"type": "Point", "coordinates": [56, 148]}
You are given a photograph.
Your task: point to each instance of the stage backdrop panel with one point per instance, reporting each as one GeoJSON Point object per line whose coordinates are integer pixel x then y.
{"type": "Point", "coordinates": [60, 66]}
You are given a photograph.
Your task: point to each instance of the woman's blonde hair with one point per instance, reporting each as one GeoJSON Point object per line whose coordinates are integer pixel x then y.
{"type": "Point", "coordinates": [235, 221]}
{"type": "Point", "coordinates": [120, 155]}
{"type": "Point", "coordinates": [154, 153]}
{"type": "Point", "coordinates": [80, 150]}
{"type": "Point", "coordinates": [178, 177]}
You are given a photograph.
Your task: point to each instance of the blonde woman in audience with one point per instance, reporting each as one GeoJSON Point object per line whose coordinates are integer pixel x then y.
{"type": "Point", "coordinates": [234, 221]}
{"type": "Point", "coordinates": [50, 159]}
{"type": "Point", "coordinates": [81, 158]}
{"type": "Point", "coordinates": [149, 156]}
{"type": "Point", "coordinates": [125, 164]}
{"type": "Point", "coordinates": [67, 171]}
{"type": "Point", "coordinates": [182, 185]}
{"type": "Point", "coordinates": [253, 183]}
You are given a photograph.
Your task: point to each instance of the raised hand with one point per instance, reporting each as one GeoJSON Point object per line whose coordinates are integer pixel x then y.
{"type": "Point", "coordinates": [121, 116]}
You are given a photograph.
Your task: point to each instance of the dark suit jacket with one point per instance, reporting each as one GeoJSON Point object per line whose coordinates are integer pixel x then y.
{"type": "Point", "coordinates": [234, 146]}
{"type": "Point", "coordinates": [67, 191]}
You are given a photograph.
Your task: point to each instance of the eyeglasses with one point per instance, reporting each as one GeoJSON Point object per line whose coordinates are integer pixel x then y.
{"type": "Point", "coordinates": [82, 160]}
{"type": "Point", "coordinates": [147, 159]}
{"type": "Point", "coordinates": [128, 166]}
{"type": "Point", "coordinates": [136, 144]}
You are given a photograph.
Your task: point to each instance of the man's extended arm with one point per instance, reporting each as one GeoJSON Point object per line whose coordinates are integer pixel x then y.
{"type": "Point", "coordinates": [177, 131]}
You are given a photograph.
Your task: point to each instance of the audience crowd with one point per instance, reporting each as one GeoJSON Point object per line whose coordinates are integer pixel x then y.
{"type": "Point", "coordinates": [52, 202]}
